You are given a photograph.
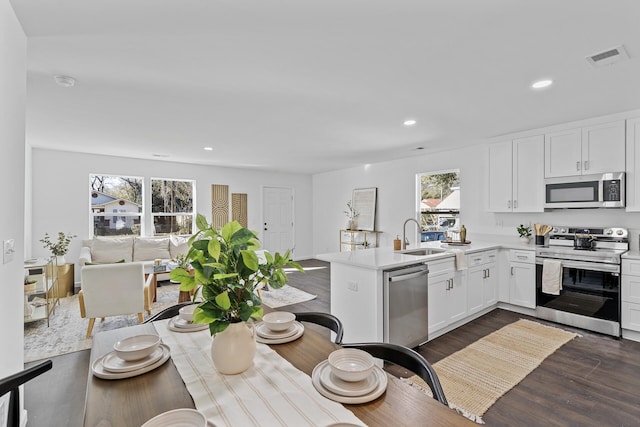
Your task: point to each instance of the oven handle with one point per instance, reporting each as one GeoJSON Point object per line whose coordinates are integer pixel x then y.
{"type": "Point", "coordinates": [608, 268]}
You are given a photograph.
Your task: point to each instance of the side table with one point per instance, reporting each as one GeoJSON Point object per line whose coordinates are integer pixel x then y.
{"type": "Point", "coordinates": [66, 280]}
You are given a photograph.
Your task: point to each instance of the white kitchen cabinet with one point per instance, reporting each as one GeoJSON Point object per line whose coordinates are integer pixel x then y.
{"type": "Point", "coordinates": [522, 278]}
{"type": "Point", "coordinates": [630, 311]}
{"type": "Point", "coordinates": [633, 165]}
{"type": "Point", "coordinates": [583, 151]}
{"type": "Point", "coordinates": [482, 280]}
{"type": "Point", "coordinates": [447, 295]}
{"type": "Point", "coordinates": [516, 175]}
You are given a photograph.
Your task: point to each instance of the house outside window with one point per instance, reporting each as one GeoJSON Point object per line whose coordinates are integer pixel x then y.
{"type": "Point", "coordinates": [116, 205]}
{"type": "Point", "coordinates": [172, 206]}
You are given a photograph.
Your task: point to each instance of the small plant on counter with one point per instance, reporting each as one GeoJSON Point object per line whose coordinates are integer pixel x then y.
{"type": "Point", "coordinates": [524, 231]}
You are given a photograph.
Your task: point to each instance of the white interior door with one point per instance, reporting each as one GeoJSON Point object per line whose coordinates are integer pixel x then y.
{"type": "Point", "coordinates": [277, 234]}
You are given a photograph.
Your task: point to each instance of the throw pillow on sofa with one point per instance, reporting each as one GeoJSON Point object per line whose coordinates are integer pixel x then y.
{"type": "Point", "coordinates": [146, 248]}
{"type": "Point", "coordinates": [111, 249]}
{"type": "Point", "coordinates": [178, 245]}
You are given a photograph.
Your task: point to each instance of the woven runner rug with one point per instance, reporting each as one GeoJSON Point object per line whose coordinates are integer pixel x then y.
{"type": "Point", "coordinates": [475, 377]}
{"type": "Point", "coordinates": [286, 295]}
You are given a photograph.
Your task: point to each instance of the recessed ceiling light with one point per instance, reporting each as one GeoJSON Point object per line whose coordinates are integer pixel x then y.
{"type": "Point", "coordinates": [419, 148]}
{"type": "Point", "coordinates": [409, 122]}
{"type": "Point", "coordinates": [65, 81]}
{"type": "Point", "coordinates": [540, 84]}
{"type": "Point", "coordinates": [208, 148]}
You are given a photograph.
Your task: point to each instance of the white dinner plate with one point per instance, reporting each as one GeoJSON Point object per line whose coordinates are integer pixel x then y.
{"type": "Point", "coordinates": [179, 322]}
{"type": "Point", "coordinates": [100, 372]}
{"type": "Point", "coordinates": [113, 363]}
{"type": "Point", "coordinates": [345, 388]}
{"type": "Point", "coordinates": [263, 331]}
{"type": "Point", "coordinates": [377, 392]}
{"type": "Point", "coordinates": [299, 331]}
{"type": "Point", "coordinates": [182, 417]}
{"type": "Point", "coordinates": [196, 326]}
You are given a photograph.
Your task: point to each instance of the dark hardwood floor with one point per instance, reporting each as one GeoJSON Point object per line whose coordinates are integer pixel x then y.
{"type": "Point", "coordinates": [591, 381]}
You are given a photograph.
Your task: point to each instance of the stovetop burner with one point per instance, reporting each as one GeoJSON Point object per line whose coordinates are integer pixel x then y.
{"type": "Point", "coordinates": [607, 247]}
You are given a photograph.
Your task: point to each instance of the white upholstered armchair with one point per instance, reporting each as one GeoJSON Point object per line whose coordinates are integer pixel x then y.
{"type": "Point", "coordinates": [113, 290]}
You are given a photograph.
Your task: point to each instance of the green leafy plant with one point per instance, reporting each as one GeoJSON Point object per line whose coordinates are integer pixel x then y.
{"type": "Point", "coordinates": [59, 247]}
{"type": "Point", "coordinates": [524, 231]}
{"type": "Point", "coordinates": [351, 212]}
{"type": "Point", "coordinates": [227, 273]}
{"type": "Point", "coordinates": [181, 261]}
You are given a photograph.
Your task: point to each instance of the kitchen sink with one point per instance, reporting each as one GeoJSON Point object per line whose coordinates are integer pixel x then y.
{"type": "Point", "coordinates": [421, 252]}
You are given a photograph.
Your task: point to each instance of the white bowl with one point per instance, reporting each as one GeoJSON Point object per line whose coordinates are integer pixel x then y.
{"type": "Point", "coordinates": [279, 320]}
{"type": "Point", "coordinates": [178, 417]}
{"type": "Point", "coordinates": [136, 347]}
{"type": "Point", "coordinates": [351, 364]}
{"type": "Point", "coordinates": [186, 312]}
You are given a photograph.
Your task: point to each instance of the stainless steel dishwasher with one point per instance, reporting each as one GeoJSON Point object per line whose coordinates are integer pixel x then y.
{"type": "Point", "coordinates": [406, 298]}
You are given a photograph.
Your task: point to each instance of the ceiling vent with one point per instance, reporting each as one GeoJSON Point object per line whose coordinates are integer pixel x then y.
{"type": "Point", "coordinates": [608, 57]}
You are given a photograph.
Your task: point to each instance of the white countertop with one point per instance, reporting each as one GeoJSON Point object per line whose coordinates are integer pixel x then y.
{"type": "Point", "coordinates": [632, 254]}
{"type": "Point", "coordinates": [386, 258]}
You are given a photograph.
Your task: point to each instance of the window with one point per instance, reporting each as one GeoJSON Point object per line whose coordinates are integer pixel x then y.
{"type": "Point", "coordinates": [172, 206]}
{"type": "Point", "coordinates": [439, 204]}
{"type": "Point", "coordinates": [116, 205]}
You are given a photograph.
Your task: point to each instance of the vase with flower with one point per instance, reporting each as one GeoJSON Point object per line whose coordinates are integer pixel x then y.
{"type": "Point", "coordinates": [352, 215]}
{"type": "Point", "coordinates": [59, 247]}
{"type": "Point", "coordinates": [228, 270]}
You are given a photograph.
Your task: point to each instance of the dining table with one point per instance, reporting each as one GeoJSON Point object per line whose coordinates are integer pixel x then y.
{"type": "Point", "coordinates": [133, 401]}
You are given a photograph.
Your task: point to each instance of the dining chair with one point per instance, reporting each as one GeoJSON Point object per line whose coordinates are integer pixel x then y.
{"type": "Point", "coordinates": [169, 312]}
{"type": "Point", "coordinates": [408, 359]}
{"type": "Point", "coordinates": [12, 383]}
{"type": "Point", "coordinates": [114, 290]}
{"type": "Point", "coordinates": [323, 319]}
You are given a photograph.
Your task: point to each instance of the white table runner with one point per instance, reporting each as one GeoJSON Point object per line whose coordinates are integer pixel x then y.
{"type": "Point", "coordinates": [270, 393]}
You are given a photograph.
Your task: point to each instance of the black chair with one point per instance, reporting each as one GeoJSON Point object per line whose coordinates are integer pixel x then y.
{"type": "Point", "coordinates": [323, 319]}
{"type": "Point", "coordinates": [11, 383]}
{"type": "Point", "coordinates": [169, 312]}
{"type": "Point", "coordinates": [408, 359]}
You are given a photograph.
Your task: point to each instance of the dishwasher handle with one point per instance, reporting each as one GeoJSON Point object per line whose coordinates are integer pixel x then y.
{"type": "Point", "coordinates": [408, 276]}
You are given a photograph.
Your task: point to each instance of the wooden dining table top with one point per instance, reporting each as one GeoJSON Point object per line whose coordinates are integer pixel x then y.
{"type": "Point", "coordinates": [133, 401]}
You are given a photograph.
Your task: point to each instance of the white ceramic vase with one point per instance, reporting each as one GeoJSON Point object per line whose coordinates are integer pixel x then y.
{"type": "Point", "coordinates": [61, 260]}
{"type": "Point", "coordinates": [233, 349]}
{"type": "Point", "coordinates": [524, 239]}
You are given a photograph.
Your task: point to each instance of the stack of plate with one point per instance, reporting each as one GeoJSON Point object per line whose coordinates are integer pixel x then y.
{"type": "Point", "coordinates": [268, 336]}
{"type": "Point", "coordinates": [113, 367]}
{"type": "Point", "coordinates": [178, 324]}
{"type": "Point", "coordinates": [350, 392]}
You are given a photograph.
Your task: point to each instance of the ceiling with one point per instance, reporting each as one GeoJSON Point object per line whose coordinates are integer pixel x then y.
{"type": "Point", "coordinates": [312, 86]}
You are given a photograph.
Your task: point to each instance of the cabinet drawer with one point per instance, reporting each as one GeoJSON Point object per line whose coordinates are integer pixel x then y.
{"type": "Point", "coordinates": [522, 256]}
{"type": "Point", "coordinates": [440, 266]}
{"type": "Point", "coordinates": [631, 266]}
{"type": "Point", "coordinates": [476, 258]}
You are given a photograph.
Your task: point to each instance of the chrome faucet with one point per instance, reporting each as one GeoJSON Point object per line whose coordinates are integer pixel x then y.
{"type": "Point", "coordinates": [404, 231]}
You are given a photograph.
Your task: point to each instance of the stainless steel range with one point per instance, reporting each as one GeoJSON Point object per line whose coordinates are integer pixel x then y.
{"type": "Point", "coordinates": [590, 278]}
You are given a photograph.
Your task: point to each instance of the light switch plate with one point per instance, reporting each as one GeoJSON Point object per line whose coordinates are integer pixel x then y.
{"type": "Point", "coordinates": [8, 250]}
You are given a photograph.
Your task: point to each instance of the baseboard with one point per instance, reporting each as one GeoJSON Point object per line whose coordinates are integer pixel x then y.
{"type": "Point", "coordinates": [631, 335]}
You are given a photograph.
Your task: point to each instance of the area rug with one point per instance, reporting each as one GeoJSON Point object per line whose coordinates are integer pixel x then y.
{"type": "Point", "coordinates": [67, 329]}
{"type": "Point", "coordinates": [286, 295]}
{"type": "Point", "coordinates": [475, 377]}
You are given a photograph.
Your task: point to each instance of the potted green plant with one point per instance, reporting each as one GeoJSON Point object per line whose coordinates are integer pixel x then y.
{"type": "Point", "coordinates": [29, 284]}
{"type": "Point", "coordinates": [524, 232]}
{"type": "Point", "coordinates": [227, 273]}
{"type": "Point", "coordinates": [60, 247]}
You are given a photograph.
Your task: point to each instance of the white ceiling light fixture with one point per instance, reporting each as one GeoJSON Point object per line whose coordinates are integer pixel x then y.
{"type": "Point", "coordinates": [208, 148]}
{"type": "Point", "coordinates": [541, 84]}
{"type": "Point", "coordinates": [409, 122]}
{"type": "Point", "coordinates": [65, 81]}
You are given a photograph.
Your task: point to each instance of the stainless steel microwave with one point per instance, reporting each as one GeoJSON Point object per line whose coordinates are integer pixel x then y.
{"type": "Point", "coordinates": [606, 190]}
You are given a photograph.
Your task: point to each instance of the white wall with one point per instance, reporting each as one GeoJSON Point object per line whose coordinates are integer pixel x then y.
{"type": "Point", "coordinates": [60, 196]}
{"type": "Point", "coordinates": [396, 182]}
{"type": "Point", "coordinates": [13, 49]}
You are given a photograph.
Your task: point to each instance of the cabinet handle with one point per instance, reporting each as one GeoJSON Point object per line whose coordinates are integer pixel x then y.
{"type": "Point", "coordinates": [509, 204]}
{"type": "Point", "coordinates": [586, 165]}
{"type": "Point", "coordinates": [521, 257]}
{"type": "Point", "coordinates": [578, 165]}
{"type": "Point", "coordinates": [515, 204]}
{"type": "Point", "coordinates": [512, 271]}
{"type": "Point", "coordinates": [488, 272]}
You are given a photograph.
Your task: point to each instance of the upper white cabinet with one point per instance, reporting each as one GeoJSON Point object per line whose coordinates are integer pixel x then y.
{"type": "Point", "coordinates": [516, 175]}
{"type": "Point", "coordinates": [633, 164]}
{"type": "Point", "coordinates": [587, 150]}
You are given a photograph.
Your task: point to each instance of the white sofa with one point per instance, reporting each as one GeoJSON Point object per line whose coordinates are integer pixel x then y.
{"type": "Point", "coordinates": [105, 250]}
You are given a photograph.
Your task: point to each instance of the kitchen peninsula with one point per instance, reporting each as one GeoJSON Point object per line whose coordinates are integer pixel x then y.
{"type": "Point", "coordinates": [456, 293]}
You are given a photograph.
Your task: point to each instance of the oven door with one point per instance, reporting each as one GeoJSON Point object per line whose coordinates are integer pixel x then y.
{"type": "Point", "coordinates": [588, 289]}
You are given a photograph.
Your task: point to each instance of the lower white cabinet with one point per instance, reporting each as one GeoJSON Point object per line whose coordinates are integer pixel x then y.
{"type": "Point", "coordinates": [447, 295]}
{"type": "Point", "coordinates": [630, 312]}
{"type": "Point", "coordinates": [482, 280]}
{"type": "Point", "coordinates": [522, 278]}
